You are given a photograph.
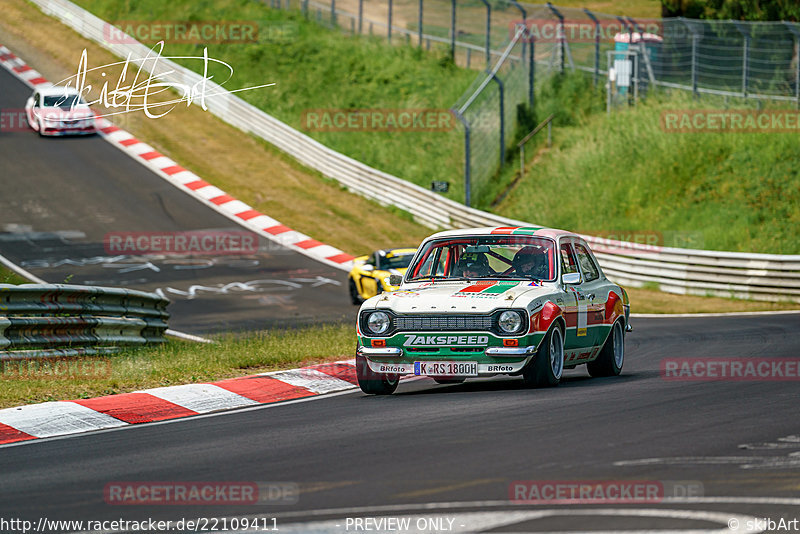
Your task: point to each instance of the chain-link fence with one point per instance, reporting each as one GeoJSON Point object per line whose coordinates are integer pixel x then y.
{"type": "Point", "coordinates": [756, 60]}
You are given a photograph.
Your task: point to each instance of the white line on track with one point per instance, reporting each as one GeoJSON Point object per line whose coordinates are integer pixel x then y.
{"type": "Point", "coordinates": [726, 314]}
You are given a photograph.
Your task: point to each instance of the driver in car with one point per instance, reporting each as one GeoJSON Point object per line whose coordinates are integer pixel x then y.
{"type": "Point", "coordinates": [473, 265]}
{"type": "Point", "coordinates": [531, 262]}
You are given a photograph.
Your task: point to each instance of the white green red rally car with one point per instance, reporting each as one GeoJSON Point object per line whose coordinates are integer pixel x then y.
{"type": "Point", "coordinates": [489, 301]}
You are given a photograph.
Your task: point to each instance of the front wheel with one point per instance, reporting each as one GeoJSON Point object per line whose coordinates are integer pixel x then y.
{"type": "Point", "coordinates": [548, 365]}
{"type": "Point", "coordinates": [612, 355]}
{"type": "Point", "coordinates": [355, 298]}
{"type": "Point", "coordinates": [373, 383]}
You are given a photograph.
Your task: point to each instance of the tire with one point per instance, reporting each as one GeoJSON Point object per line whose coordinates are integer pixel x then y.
{"type": "Point", "coordinates": [449, 380]}
{"type": "Point", "coordinates": [547, 366]}
{"type": "Point", "coordinates": [612, 355]}
{"type": "Point", "coordinates": [373, 383]}
{"type": "Point", "coordinates": [355, 298]}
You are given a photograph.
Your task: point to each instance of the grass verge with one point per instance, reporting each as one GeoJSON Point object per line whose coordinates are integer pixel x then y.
{"type": "Point", "coordinates": [7, 276]}
{"type": "Point", "coordinates": [181, 362]}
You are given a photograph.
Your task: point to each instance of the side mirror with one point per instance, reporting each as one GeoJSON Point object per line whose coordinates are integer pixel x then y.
{"type": "Point", "coordinates": [395, 279]}
{"type": "Point", "coordinates": [368, 267]}
{"type": "Point", "coordinates": [571, 279]}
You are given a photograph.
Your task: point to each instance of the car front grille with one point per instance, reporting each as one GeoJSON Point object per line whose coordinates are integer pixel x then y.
{"type": "Point", "coordinates": [443, 322]}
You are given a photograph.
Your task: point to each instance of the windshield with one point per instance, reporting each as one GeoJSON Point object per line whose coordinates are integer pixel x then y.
{"type": "Point", "coordinates": [396, 261]}
{"type": "Point", "coordinates": [486, 257]}
{"type": "Point", "coordinates": [62, 101]}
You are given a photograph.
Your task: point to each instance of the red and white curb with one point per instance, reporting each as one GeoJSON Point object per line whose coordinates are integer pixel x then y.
{"type": "Point", "coordinates": [60, 418]}
{"type": "Point", "coordinates": [192, 184]}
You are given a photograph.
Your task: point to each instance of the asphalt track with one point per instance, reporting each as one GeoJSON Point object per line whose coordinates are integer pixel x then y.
{"type": "Point", "coordinates": [397, 456]}
{"type": "Point", "coordinates": [62, 196]}
{"type": "Point", "coordinates": [429, 451]}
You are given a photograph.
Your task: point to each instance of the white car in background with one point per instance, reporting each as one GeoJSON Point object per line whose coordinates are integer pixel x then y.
{"type": "Point", "coordinates": [59, 111]}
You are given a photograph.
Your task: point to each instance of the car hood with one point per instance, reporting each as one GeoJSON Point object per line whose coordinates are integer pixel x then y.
{"type": "Point", "coordinates": [79, 112]}
{"type": "Point", "coordinates": [460, 297]}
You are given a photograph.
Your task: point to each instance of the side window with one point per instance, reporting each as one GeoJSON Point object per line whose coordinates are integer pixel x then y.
{"type": "Point", "coordinates": [427, 266]}
{"type": "Point", "coordinates": [590, 270]}
{"type": "Point", "coordinates": [568, 263]}
{"type": "Point", "coordinates": [36, 99]}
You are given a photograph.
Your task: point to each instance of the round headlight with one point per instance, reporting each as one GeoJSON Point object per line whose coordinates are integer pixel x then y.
{"type": "Point", "coordinates": [509, 321]}
{"type": "Point", "coordinates": [378, 322]}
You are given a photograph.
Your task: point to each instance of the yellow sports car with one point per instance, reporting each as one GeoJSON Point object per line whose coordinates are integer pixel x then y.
{"type": "Point", "coordinates": [370, 274]}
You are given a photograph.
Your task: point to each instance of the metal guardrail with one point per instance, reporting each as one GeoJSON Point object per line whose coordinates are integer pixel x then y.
{"type": "Point", "coordinates": [756, 276]}
{"type": "Point", "coordinates": [45, 320]}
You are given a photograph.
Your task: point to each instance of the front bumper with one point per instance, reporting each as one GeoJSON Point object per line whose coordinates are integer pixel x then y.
{"type": "Point", "coordinates": [490, 361]}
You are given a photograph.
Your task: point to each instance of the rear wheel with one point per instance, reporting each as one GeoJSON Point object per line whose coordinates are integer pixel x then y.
{"type": "Point", "coordinates": [546, 368]}
{"type": "Point", "coordinates": [373, 383]}
{"type": "Point", "coordinates": [612, 356]}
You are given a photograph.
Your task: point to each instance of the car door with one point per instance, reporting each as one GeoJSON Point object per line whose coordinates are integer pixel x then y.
{"type": "Point", "coordinates": [32, 108]}
{"type": "Point", "coordinates": [594, 293]}
{"type": "Point", "coordinates": [569, 265]}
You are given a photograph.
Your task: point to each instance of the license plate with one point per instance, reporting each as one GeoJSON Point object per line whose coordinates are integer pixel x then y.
{"type": "Point", "coordinates": [446, 368]}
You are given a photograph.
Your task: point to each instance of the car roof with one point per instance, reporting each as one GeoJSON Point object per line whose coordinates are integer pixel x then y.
{"type": "Point", "coordinates": [405, 251]}
{"type": "Point", "coordinates": [537, 231]}
{"type": "Point", "coordinates": [57, 90]}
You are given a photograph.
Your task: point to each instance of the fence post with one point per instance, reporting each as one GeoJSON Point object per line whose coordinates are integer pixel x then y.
{"type": "Point", "coordinates": [467, 171]}
{"type": "Point", "coordinates": [795, 29]}
{"type": "Point", "coordinates": [419, 23]}
{"type": "Point", "coordinates": [530, 72]}
{"type": "Point", "coordinates": [694, 56]}
{"type": "Point", "coordinates": [531, 69]}
{"type": "Point", "coordinates": [360, 16]}
{"type": "Point", "coordinates": [561, 37]}
{"type": "Point", "coordinates": [502, 118]}
{"type": "Point", "coordinates": [596, 45]}
{"type": "Point", "coordinates": [453, 30]}
{"type": "Point", "coordinates": [305, 9]}
{"type": "Point", "coordinates": [488, 32]}
{"type": "Point", "coordinates": [389, 35]}
{"type": "Point", "coordinates": [333, 13]}
{"type": "Point", "coordinates": [745, 53]}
